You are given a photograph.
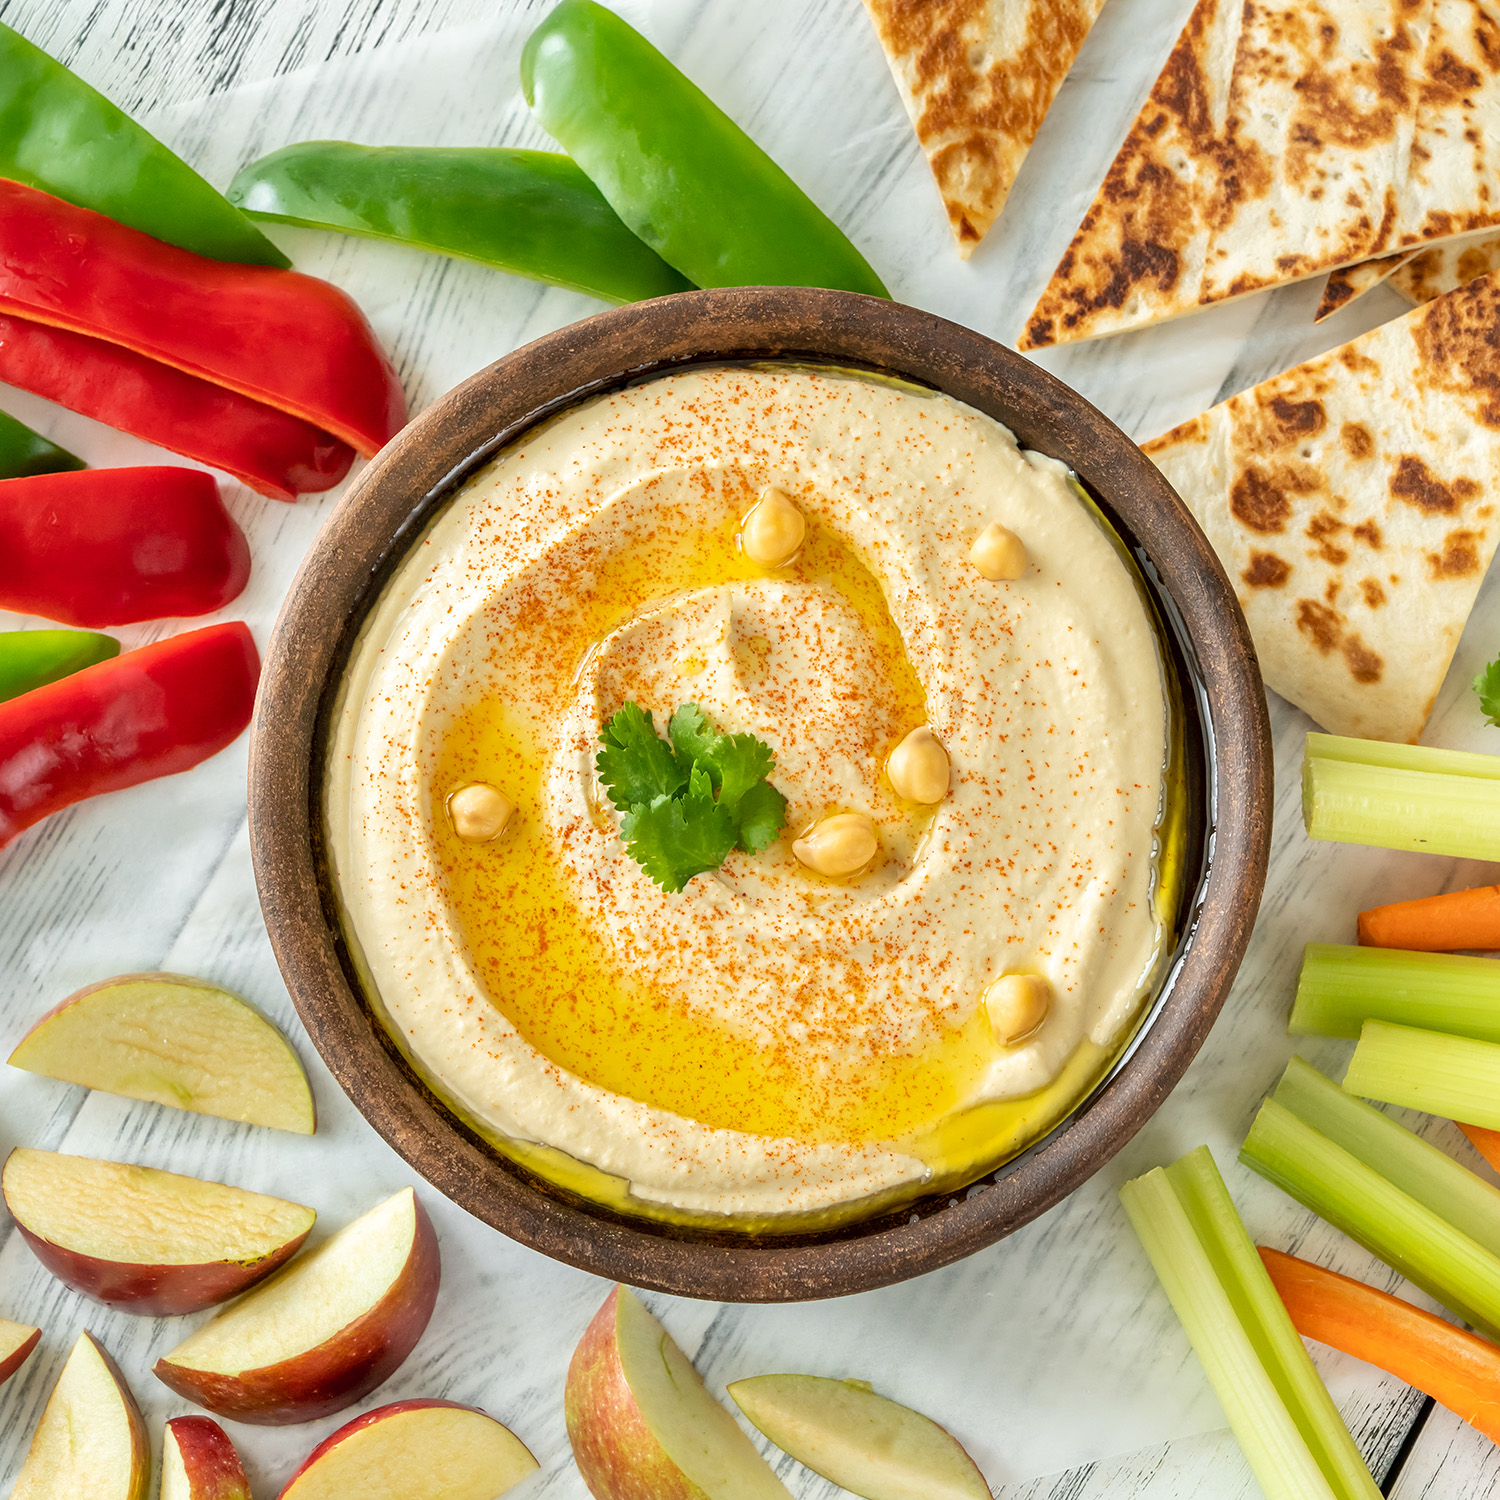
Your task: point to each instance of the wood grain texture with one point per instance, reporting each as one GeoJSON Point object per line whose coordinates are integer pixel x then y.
{"type": "Point", "coordinates": [1051, 1354]}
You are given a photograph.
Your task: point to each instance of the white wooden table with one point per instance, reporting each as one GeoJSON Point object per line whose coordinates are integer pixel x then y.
{"type": "Point", "coordinates": [1053, 1354]}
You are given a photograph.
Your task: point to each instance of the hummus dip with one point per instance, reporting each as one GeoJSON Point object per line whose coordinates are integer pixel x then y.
{"type": "Point", "coordinates": [768, 1042]}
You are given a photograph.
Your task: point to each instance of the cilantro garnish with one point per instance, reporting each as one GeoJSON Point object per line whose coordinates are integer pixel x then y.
{"type": "Point", "coordinates": [688, 800]}
{"type": "Point", "coordinates": [1487, 685]}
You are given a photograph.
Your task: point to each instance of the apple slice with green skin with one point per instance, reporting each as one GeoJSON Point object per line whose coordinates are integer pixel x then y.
{"type": "Point", "coordinates": [414, 1450]}
{"type": "Point", "coordinates": [324, 1331]}
{"type": "Point", "coordinates": [91, 1443]}
{"type": "Point", "coordinates": [173, 1040]}
{"type": "Point", "coordinates": [198, 1462]}
{"type": "Point", "coordinates": [147, 1241]}
{"type": "Point", "coordinates": [17, 1340]}
{"type": "Point", "coordinates": [643, 1425]}
{"type": "Point", "coordinates": [864, 1443]}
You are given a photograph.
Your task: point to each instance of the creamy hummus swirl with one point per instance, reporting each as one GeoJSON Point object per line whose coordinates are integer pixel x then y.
{"type": "Point", "coordinates": [576, 572]}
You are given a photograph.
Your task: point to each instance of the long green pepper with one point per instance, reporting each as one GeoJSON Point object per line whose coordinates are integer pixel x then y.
{"type": "Point", "coordinates": [24, 452]}
{"type": "Point", "coordinates": [33, 658]}
{"type": "Point", "coordinates": [59, 134]}
{"type": "Point", "coordinates": [532, 213]}
{"type": "Point", "coordinates": [673, 165]}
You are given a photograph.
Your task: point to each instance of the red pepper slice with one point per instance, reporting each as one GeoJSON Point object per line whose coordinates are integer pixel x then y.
{"type": "Point", "coordinates": [110, 546]}
{"type": "Point", "coordinates": [288, 340]}
{"type": "Point", "coordinates": [273, 453]}
{"type": "Point", "coordinates": [149, 713]}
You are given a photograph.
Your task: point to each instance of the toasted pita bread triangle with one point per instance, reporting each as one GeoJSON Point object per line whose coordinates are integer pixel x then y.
{"type": "Point", "coordinates": [1349, 500]}
{"type": "Point", "coordinates": [1442, 269]}
{"type": "Point", "coordinates": [977, 77]}
{"type": "Point", "coordinates": [1451, 190]}
{"type": "Point", "coordinates": [1350, 283]}
{"type": "Point", "coordinates": [1269, 151]}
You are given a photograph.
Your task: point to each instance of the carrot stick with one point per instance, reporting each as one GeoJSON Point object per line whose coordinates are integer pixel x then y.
{"type": "Point", "coordinates": [1485, 1142]}
{"type": "Point", "coordinates": [1436, 924]}
{"type": "Point", "coordinates": [1457, 1369]}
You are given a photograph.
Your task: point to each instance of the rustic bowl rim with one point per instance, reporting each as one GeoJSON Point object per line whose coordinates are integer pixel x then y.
{"type": "Point", "coordinates": [375, 521]}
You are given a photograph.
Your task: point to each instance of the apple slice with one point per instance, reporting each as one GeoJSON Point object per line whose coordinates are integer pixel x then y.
{"type": "Point", "coordinates": [91, 1443]}
{"type": "Point", "coordinates": [17, 1340]}
{"type": "Point", "coordinates": [642, 1423]}
{"type": "Point", "coordinates": [198, 1462]}
{"type": "Point", "coordinates": [176, 1041]}
{"type": "Point", "coordinates": [324, 1331]}
{"type": "Point", "coordinates": [414, 1450]}
{"type": "Point", "coordinates": [864, 1443]}
{"type": "Point", "coordinates": [147, 1241]}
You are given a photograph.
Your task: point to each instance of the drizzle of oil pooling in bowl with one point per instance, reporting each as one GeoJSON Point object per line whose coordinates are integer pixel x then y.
{"type": "Point", "coordinates": [578, 995]}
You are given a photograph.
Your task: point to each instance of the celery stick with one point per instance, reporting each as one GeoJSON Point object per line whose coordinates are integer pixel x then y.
{"type": "Point", "coordinates": [1354, 803]}
{"type": "Point", "coordinates": [1401, 757]}
{"type": "Point", "coordinates": [1262, 1314]}
{"type": "Point", "coordinates": [1405, 1160]}
{"type": "Point", "coordinates": [1406, 1234]}
{"type": "Point", "coordinates": [1192, 1271]}
{"type": "Point", "coordinates": [1452, 1076]}
{"type": "Point", "coordinates": [1341, 987]}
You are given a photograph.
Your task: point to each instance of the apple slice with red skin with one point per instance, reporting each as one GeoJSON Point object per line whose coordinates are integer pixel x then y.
{"type": "Point", "coordinates": [91, 1443]}
{"type": "Point", "coordinates": [324, 1331]}
{"type": "Point", "coordinates": [147, 1241]}
{"type": "Point", "coordinates": [173, 1040]}
{"type": "Point", "coordinates": [17, 1340]}
{"type": "Point", "coordinates": [643, 1425]}
{"type": "Point", "coordinates": [414, 1450]}
{"type": "Point", "coordinates": [865, 1443]}
{"type": "Point", "coordinates": [198, 1462]}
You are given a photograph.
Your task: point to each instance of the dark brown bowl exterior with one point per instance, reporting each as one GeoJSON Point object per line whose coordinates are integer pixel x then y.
{"type": "Point", "coordinates": [374, 522]}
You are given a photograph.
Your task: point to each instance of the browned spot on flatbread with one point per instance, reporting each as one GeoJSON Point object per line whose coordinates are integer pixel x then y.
{"type": "Point", "coordinates": [1322, 528]}
{"type": "Point", "coordinates": [1256, 501]}
{"type": "Point", "coordinates": [1369, 533]}
{"type": "Point", "coordinates": [1266, 571]}
{"type": "Point", "coordinates": [1458, 341]}
{"type": "Point", "coordinates": [1374, 594]}
{"type": "Point", "coordinates": [1417, 485]}
{"type": "Point", "coordinates": [1358, 441]}
{"type": "Point", "coordinates": [1298, 419]}
{"type": "Point", "coordinates": [1459, 557]}
{"type": "Point", "coordinates": [1324, 626]}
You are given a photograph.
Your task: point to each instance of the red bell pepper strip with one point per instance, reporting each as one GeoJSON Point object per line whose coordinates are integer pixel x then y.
{"type": "Point", "coordinates": [288, 340]}
{"type": "Point", "coordinates": [112, 546]}
{"type": "Point", "coordinates": [148, 713]}
{"type": "Point", "coordinates": [273, 453]}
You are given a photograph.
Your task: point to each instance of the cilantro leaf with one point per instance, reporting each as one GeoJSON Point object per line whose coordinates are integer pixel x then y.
{"type": "Point", "coordinates": [693, 736]}
{"type": "Point", "coordinates": [1487, 685]}
{"type": "Point", "coordinates": [636, 765]}
{"type": "Point", "coordinates": [686, 803]}
{"type": "Point", "coordinates": [761, 813]}
{"type": "Point", "coordinates": [676, 838]}
{"type": "Point", "coordinates": [740, 761]}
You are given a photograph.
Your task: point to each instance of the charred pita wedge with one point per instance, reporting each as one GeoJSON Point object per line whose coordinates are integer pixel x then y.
{"type": "Point", "coordinates": [977, 77]}
{"type": "Point", "coordinates": [1350, 502]}
{"type": "Point", "coordinates": [1270, 150]}
{"type": "Point", "coordinates": [1451, 190]}
{"type": "Point", "coordinates": [1436, 272]}
{"type": "Point", "coordinates": [1350, 283]}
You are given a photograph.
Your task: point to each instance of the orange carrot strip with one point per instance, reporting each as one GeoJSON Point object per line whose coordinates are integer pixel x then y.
{"type": "Point", "coordinates": [1436, 924]}
{"type": "Point", "coordinates": [1485, 1142]}
{"type": "Point", "coordinates": [1457, 1369]}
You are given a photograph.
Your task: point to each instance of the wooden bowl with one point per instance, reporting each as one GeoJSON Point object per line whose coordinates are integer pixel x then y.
{"type": "Point", "coordinates": [1229, 742]}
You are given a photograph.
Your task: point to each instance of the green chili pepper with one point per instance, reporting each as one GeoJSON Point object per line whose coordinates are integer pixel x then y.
{"type": "Point", "coordinates": [533, 213]}
{"type": "Point", "coordinates": [673, 165]}
{"type": "Point", "coordinates": [60, 135]}
{"type": "Point", "coordinates": [33, 658]}
{"type": "Point", "coordinates": [24, 452]}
